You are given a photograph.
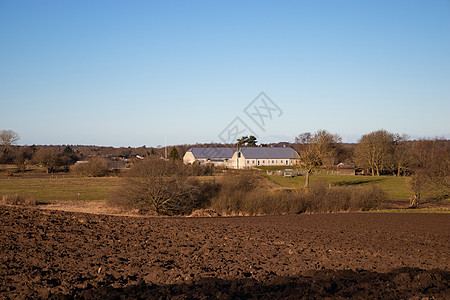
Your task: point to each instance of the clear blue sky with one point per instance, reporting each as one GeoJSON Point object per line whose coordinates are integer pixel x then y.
{"type": "Point", "coordinates": [133, 72]}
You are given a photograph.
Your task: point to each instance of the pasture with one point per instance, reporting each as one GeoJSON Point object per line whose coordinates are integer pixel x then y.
{"type": "Point", "coordinates": [395, 187]}
{"type": "Point", "coordinates": [61, 188]}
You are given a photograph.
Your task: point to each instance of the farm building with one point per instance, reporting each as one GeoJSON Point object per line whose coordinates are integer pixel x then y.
{"type": "Point", "coordinates": [219, 156]}
{"type": "Point", "coordinates": [242, 158]}
{"type": "Point", "coordinates": [346, 169]}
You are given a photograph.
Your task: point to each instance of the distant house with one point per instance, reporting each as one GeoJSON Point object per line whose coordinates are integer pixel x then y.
{"type": "Point", "coordinates": [242, 158]}
{"type": "Point", "coordinates": [346, 169]}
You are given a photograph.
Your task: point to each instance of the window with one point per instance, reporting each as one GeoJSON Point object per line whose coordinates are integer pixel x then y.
{"type": "Point", "coordinates": [253, 162]}
{"type": "Point", "coordinates": [258, 162]}
{"type": "Point", "coordinates": [272, 161]}
{"type": "Point", "coordinates": [239, 154]}
{"type": "Point", "coordinates": [264, 161]}
{"type": "Point", "coordinates": [248, 161]}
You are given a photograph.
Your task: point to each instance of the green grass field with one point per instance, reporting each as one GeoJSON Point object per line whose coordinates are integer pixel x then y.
{"type": "Point", "coordinates": [395, 187]}
{"type": "Point", "coordinates": [66, 188]}
{"type": "Point", "coordinates": [53, 189]}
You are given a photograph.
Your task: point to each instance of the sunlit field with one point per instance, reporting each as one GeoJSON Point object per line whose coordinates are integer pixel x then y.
{"type": "Point", "coordinates": [395, 187]}
{"type": "Point", "coordinates": [60, 188]}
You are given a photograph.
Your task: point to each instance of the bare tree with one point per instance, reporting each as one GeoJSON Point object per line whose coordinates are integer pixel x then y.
{"type": "Point", "coordinates": [21, 158]}
{"type": "Point", "coordinates": [48, 158]}
{"type": "Point", "coordinates": [303, 138]}
{"type": "Point", "coordinates": [316, 150]}
{"type": "Point", "coordinates": [374, 150]}
{"type": "Point", "coordinates": [158, 186]}
{"type": "Point", "coordinates": [8, 138]}
{"type": "Point", "coordinates": [431, 170]}
{"type": "Point", "coordinates": [401, 156]}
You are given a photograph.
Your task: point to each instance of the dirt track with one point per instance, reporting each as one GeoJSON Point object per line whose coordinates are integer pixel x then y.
{"type": "Point", "coordinates": [62, 254]}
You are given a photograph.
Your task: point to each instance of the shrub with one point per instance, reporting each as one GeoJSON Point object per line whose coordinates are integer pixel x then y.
{"type": "Point", "coordinates": [157, 186]}
{"type": "Point", "coordinates": [328, 199]}
{"type": "Point", "coordinates": [278, 202]}
{"type": "Point", "coordinates": [18, 200]}
{"type": "Point", "coordinates": [96, 167]}
{"type": "Point", "coordinates": [200, 170]}
{"type": "Point", "coordinates": [368, 198]}
{"type": "Point", "coordinates": [237, 196]}
{"type": "Point", "coordinates": [233, 191]}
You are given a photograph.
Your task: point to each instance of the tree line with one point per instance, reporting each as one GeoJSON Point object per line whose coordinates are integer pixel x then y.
{"type": "Point", "coordinates": [427, 161]}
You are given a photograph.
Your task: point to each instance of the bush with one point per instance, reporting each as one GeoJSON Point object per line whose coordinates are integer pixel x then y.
{"type": "Point", "coordinates": [200, 170]}
{"type": "Point", "coordinates": [240, 196]}
{"type": "Point", "coordinates": [366, 199]}
{"type": "Point", "coordinates": [18, 200]}
{"type": "Point", "coordinates": [233, 192]}
{"type": "Point", "coordinates": [96, 167]}
{"type": "Point", "coordinates": [157, 186]}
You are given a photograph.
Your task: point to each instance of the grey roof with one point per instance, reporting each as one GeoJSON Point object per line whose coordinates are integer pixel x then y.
{"type": "Point", "coordinates": [269, 153]}
{"type": "Point", "coordinates": [212, 152]}
{"type": "Point", "coordinates": [247, 152]}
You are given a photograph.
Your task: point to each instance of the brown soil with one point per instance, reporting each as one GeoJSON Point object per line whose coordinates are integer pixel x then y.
{"type": "Point", "coordinates": [55, 254]}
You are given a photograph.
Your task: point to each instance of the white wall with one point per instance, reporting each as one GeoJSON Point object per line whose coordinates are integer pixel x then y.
{"type": "Point", "coordinates": [244, 163]}
{"type": "Point", "coordinates": [188, 158]}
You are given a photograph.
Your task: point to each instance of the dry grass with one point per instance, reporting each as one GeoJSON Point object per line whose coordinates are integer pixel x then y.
{"type": "Point", "coordinates": [202, 213]}
{"type": "Point", "coordinates": [16, 199]}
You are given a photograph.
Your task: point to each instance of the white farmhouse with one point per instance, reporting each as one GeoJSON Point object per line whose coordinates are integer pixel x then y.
{"type": "Point", "coordinates": [242, 158]}
{"type": "Point", "coordinates": [263, 156]}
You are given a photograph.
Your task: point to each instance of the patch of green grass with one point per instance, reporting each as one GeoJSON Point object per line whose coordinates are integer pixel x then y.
{"type": "Point", "coordinates": [395, 187]}
{"type": "Point", "coordinates": [65, 189]}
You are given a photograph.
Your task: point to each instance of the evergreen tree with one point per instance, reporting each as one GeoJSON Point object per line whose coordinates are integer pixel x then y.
{"type": "Point", "coordinates": [68, 150]}
{"type": "Point", "coordinates": [174, 155]}
{"type": "Point", "coordinates": [247, 141]}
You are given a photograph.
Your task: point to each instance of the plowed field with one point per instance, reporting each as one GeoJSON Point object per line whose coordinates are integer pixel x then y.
{"type": "Point", "coordinates": [54, 254]}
